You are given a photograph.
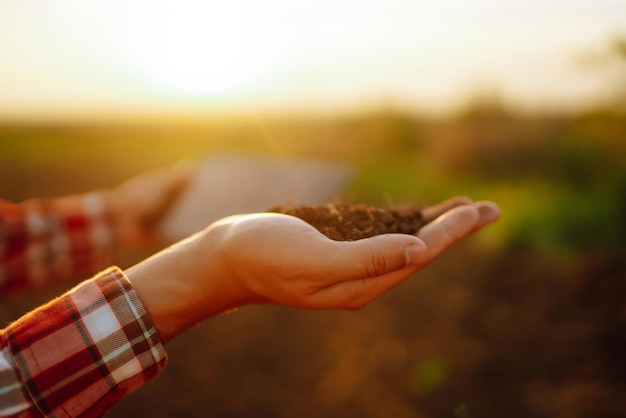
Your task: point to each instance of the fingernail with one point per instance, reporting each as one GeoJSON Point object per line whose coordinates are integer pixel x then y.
{"type": "Point", "coordinates": [413, 254]}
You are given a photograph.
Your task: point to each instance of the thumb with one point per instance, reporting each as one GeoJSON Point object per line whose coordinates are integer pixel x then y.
{"type": "Point", "coordinates": [375, 256]}
{"type": "Point", "coordinates": [365, 269]}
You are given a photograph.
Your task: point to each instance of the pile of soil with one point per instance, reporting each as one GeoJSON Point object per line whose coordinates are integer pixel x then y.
{"type": "Point", "coordinates": [349, 222]}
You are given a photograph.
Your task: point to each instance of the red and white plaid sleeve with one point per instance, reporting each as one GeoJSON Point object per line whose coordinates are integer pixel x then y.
{"type": "Point", "coordinates": [46, 240]}
{"type": "Point", "coordinates": [79, 354]}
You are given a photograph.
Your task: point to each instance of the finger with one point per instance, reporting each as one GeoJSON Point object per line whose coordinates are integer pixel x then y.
{"type": "Point", "coordinates": [387, 253]}
{"type": "Point", "coordinates": [448, 229]}
{"type": "Point", "coordinates": [382, 254]}
{"type": "Point", "coordinates": [369, 257]}
{"type": "Point", "coordinates": [355, 294]}
{"type": "Point", "coordinates": [433, 212]}
{"type": "Point", "coordinates": [489, 212]}
{"type": "Point", "coordinates": [385, 273]}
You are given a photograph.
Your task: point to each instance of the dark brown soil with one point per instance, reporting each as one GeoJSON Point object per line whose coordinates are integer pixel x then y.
{"type": "Point", "coordinates": [349, 222]}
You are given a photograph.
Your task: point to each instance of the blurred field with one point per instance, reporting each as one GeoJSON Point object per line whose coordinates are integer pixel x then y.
{"type": "Point", "coordinates": [524, 320]}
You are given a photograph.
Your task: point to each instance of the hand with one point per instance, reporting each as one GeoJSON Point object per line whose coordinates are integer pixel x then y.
{"type": "Point", "coordinates": [137, 204]}
{"type": "Point", "coordinates": [279, 259]}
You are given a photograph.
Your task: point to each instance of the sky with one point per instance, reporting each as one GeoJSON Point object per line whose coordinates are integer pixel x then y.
{"type": "Point", "coordinates": [72, 58]}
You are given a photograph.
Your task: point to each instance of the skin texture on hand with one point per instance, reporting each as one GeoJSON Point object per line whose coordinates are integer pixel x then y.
{"type": "Point", "coordinates": [279, 259]}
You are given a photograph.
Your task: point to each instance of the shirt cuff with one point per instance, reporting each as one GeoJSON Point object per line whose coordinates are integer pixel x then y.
{"type": "Point", "coordinates": [84, 351]}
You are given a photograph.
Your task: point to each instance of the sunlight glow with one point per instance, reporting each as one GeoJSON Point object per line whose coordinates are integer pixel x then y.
{"type": "Point", "coordinates": [199, 48]}
{"type": "Point", "coordinates": [311, 55]}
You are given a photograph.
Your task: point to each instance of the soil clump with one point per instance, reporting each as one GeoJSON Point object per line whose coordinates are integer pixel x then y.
{"type": "Point", "coordinates": [350, 222]}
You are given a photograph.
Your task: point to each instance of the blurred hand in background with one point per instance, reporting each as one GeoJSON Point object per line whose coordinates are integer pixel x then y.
{"type": "Point", "coordinates": [139, 203]}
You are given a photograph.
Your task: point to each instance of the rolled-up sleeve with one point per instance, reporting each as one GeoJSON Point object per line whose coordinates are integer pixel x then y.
{"type": "Point", "coordinates": [79, 354]}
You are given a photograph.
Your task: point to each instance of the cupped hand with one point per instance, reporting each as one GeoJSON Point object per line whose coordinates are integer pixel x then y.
{"type": "Point", "coordinates": [279, 259]}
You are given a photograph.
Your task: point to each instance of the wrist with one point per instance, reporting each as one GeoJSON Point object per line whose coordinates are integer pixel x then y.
{"type": "Point", "coordinates": [113, 206]}
{"type": "Point", "coordinates": [125, 223]}
{"type": "Point", "coordinates": [183, 285]}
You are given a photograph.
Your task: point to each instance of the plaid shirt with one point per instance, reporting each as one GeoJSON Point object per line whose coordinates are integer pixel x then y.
{"type": "Point", "coordinates": [45, 240]}
{"type": "Point", "coordinates": [80, 353]}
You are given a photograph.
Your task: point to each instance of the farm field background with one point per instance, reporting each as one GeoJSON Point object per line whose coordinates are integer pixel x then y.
{"type": "Point", "coordinates": [525, 319]}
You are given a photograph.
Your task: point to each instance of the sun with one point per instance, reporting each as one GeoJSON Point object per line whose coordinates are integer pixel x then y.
{"type": "Point", "coordinates": [199, 48]}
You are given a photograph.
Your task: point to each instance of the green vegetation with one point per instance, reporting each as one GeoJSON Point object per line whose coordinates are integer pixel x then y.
{"type": "Point", "coordinates": [429, 375]}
